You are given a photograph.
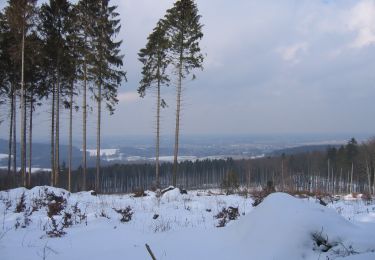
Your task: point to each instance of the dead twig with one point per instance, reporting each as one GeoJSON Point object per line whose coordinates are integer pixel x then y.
{"type": "Point", "coordinates": [150, 252]}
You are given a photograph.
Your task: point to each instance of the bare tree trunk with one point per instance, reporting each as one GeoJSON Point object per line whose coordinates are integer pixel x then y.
{"type": "Point", "coordinates": [10, 131]}
{"type": "Point", "coordinates": [157, 137]}
{"type": "Point", "coordinates": [52, 137]}
{"type": "Point", "coordinates": [25, 139]}
{"type": "Point", "coordinates": [84, 109]}
{"type": "Point", "coordinates": [282, 175]}
{"type": "Point", "coordinates": [23, 115]}
{"type": "Point", "coordinates": [340, 182]}
{"type": "Point", "coordinates": [333, 179]}
{"type": "Point", "coordinates": [99, 100]}
{"type": "Point", "coordinates": [248, 179]}
{"type": "Point", "coordinates": [351, 179]}
{"type": "Point", "coordinates": [328, 170]}
{"type": "Point", "coordinates": [30, 139]}
{"type": "Point", "coordinates": [70, 138]}
{"type": "Point", "coordinates": [57, 134]}
{"type": "Point", "coordinates": [177, 131]}
{"type": "Point", "coordinates": [368, 177]}
{"type": "Point", "coordinates": [14, 138]}
{"type": "Point", "coordinates": [348, 182]}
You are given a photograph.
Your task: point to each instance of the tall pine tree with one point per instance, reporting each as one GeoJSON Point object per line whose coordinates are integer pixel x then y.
{"type": "Point", "coordinates": [154, 58]}
{"type": "Point", "coordinates": [54, 24]}
{"type": "Point", "coordinates": [184, 31]}
{"type": "Point", "coordinates": [106, 66]}
{"type": "Point", "coordinates": [8, 79]}
{"type": "Point", "coordinates": [85, 21]}
{"type": "Point", "coordinates": [74, 43]}
{"type": "Point", "coordinates": [20, 15]}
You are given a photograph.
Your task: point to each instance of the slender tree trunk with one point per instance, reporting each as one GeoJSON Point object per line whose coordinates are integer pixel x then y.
{"type": "Point", "coordinates": [25, 139]}
{"type": "Point", "coordinates": [57, 134]}
{"type": "Point", "coordinates": [351, 179]}
{"type": "Point", "coordinates": [52, 136]}
{"type": "Point", "coordinates": [348, 182]}
{"type": "Point", "coordinates": [70, 138]}
{"type": "Point", "coordinates": [30, 138]}
{"type": "Point", "coordinates": [23, 115]}
{"type": "Point", "coordinates": [328, 170]}
{"type": "Point", "coordinates": [248, 179]}
{"type": "Point", "coordinates": [368, 177]}
{"type": "Point", "coordinates": [157, 137]}
{"type": "Point", "coordinates": [14, 138]}
{"type": "Point", "coordinates": [177, 130]}
{"type": "Point", "coordinates": [282, 175]}
{"type": "Point", "coordinates": [84, 109]}
{"type": "Point", "coordinates": [99, 100]}
{"type": "Point", "coordinates": [340, 182]}
{"type": "Point", "coordinates": [10, 131]}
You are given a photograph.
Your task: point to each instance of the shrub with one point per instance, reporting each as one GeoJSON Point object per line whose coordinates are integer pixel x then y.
{"type": "Point", "coordinates": [55, 230]}
{"type": "Point", "coordinates": [103, 214]}
{"type": "Point", "coordinates": [55, 204]}
{"type": "Point", "coordinates": [139, 193]}
{"type": "Point", "coordinates": [126, 214]}
{"type": "Point", "coordinates": [25, 221]}
{"type": "Point", "coordinates": [259, 196]}
{"type": "Point", "coordinates": [54, 208]}
{"type": "Point", "coordinates": [321, 243]}
{"type": "Point", "coordinates": [226, 215]}
{"type": "Point", "coordinates": [78, 215]}
{"type": "Point", "coordinates": [162, 225]}
{"type": "Point", "coordinates": [67, 220]}
{"type": "Point", "coordinates": [21, 205]}
{"type": "Point", "coordinates": [230, 183]}
{"type": "Point", "coordinates": [367, 198]}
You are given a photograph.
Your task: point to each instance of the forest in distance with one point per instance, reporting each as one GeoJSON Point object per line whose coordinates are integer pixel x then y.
{"type": "Point", "coordinates": [338, 170]}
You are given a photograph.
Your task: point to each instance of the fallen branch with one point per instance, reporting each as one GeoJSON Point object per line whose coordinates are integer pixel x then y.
{"type": "Point", "coordinates": [150, 252]}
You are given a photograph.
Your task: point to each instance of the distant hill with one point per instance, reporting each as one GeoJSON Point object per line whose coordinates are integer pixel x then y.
{"type": "Point", "coordinates": [303, 149]}
{"type": "Point", "coordinates": [143, 153]}
{"type": "Point", "coordinates": [41, 154]}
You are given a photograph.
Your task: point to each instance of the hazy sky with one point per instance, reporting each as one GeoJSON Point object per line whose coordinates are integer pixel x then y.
{"type": "Point", "coordinates": [290, 66]}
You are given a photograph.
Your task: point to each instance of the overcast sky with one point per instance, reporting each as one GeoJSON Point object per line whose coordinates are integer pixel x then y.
{"type": "Point", "coordinates": [291, 66]}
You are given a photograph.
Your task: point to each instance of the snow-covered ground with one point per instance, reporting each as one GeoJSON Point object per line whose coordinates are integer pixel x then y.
{"type": "Point", "coordinates": [183, 226]}
{"type": "Point", "coordinates": [116, 155]}
{"type": "Point", "coordinates": [103, 152]}
{"type": "Point", "coordinates": [33, 170]}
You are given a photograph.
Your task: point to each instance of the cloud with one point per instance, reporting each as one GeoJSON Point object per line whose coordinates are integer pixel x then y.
{"type": "Point", "coordinates": [293, 52]}
{"type": "Point", "coordinates": [362, 22]}
{"type": "Point", "coordinates": [128, 97]}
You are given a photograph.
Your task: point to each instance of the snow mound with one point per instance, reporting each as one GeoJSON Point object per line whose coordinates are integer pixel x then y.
{"type": "Point", "coordinates": [35, 192]}
{"type": "Point", "coordinates": [173, 194]}
{"type": "Point", "coordinates": [283, 227]}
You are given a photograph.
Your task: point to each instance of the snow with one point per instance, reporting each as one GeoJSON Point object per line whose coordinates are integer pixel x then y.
{"type": "Point", "coordinates": [103, 152]}
{"type": "Point", "coordinates": [3, 156]}
{"type": "Point", "coordinates": [281, 227]}
{"type": "Point", "coordinates": [282, 222]}
{"type": "Point", "coordinates": [135, 158]}
{"type": "Point", "coordinates": [179, 158]}
{"type": "Point", "coordinates": [33, 169]}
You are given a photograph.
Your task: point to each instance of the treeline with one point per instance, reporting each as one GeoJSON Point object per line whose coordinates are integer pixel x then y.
{"type": "Point", "coordinates": [51, 53]}
{"type": "Point", "coordinates": [349, 168]}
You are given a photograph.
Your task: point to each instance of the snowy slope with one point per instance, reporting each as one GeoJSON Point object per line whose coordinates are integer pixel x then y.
{"type": "Point", "coordinates": [282, 227]}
